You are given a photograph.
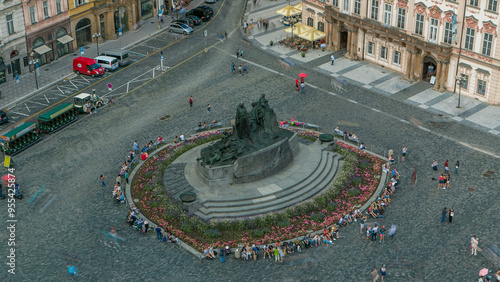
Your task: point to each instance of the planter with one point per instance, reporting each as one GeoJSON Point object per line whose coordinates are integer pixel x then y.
{"type": "Point", "coordinates": [303, 54]}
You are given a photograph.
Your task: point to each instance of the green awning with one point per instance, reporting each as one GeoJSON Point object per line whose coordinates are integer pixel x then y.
{"type": "Point", "coordinates": [55, 112]}
{"type": "Point", "coordinates": [18, 131]}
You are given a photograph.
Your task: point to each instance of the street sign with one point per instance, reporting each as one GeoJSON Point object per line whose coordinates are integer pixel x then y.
{"type": "Point", "coordinates": [110, 86]}
{"type": "Point", "coordinates": [120, 31]}
{"type": "Point", "coordinates": [162, 57]}
{"type": "Point", "coordinates": [81, 50]}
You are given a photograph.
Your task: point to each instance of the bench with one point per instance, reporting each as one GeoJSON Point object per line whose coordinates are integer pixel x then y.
{"type": "Point", "coordinates": [209, 126]}
{"type": "Point", "coordinates": [304, 125]}
{"type": "Point", "coordinates": [355, 140]}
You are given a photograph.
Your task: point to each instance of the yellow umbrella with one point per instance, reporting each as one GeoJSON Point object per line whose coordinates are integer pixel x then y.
{"type": "Point", "coordinates": [298, 28]}
{"type": "Point", "coordinates": [312, 35]}
{"type": "Point", "coordinates": [289, 11]}
{"type": "Point", "coordinates": [298, 6]}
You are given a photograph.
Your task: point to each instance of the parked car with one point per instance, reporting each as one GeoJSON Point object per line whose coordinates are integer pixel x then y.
{"type": "Point", "coordinates": [211, 1]}
{"type": "Point", "coordinates": [120, 55]}
{"type": "Point", "coordinates": [107, 63]}
{"type": "Point", "coordinates": [187, 21]}
{"type": "Point", "coordinates": [196, 20]}
{"type": "Point", "coordinates": [208, 9]}
{"type": "Point", "coordinates": [180, 28]}
{"type": "Point", "coordinates": [203, 14]}
{"type": "Point", "coordinates": [3, 117]}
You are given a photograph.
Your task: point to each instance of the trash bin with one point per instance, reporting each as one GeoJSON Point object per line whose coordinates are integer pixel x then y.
{"type": "Point", "coordinates": [237, 253]}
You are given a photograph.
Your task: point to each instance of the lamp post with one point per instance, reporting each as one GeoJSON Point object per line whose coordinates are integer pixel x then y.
{"type": "Point", "coordinates": [461, 81]}
{"type": "Point", "coordinates": [96, 36]}
{"type": "Point", "coordinates": [34, 62]}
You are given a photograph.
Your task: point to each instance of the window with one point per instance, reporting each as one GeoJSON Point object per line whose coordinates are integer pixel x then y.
{"type": "Point", "coordinates": [401, 18]}
{"type": "Point", "coordinates": [448, 33]}
{"type": "Point", "coordinates": [387, 14]}
{"type": "Point", "coordinates": [396, 58]}
{"type": "Point", "coordinates": [321, 26]}
{"type": "Point", "coordinates": [487, 42]}
{"type": "Point", "coordinates": [492, 5]}
{"type": "Point", "coordinates": [383, 53]}
{"type": "Point", "coordinates": [46, 9]}
{"type": "Point", "coordinates": [481, 87]}
{"type": "Point", "coordinates": [473, 3]}
{"type": "Point", "coordinates": [374, 15]}
{"type": "Point", "coordinates": [80, 2]}
{"type": "Point", "coordinates": [335, 3]}
{"type": "Point", "coordinates": [433, 30]}
{"type": "Point", "coordinates": [469, 39]}
{"type": "Point", "coordinates": [310, 22]}
{"type": "Point", "coordinates": [58, 6]}
{"type": "Point", "coordinates": [10, 24]}
{"type": "Point", "coordinates": [357, 7]}
{"type": "Point", "coordinates": [32, 14]}
{"type": "Point", "coordinates": [346, 6]}
{"type": "Point", "coordinates": [465, 84]}
{"type": "Point", "coordinates": [369, 48]}
{"type": "Point", "coordinates": [419, 24]}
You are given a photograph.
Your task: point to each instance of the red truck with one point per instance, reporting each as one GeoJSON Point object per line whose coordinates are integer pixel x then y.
{"type": "Point", "coordinates": [88, 66]}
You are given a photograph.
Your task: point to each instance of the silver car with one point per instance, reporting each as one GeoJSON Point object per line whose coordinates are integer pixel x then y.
{"type": "Point", "coordinates": [180, 28]}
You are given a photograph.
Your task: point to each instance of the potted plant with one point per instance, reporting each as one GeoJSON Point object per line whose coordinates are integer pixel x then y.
{"type": "Point", "coordinates": [303, 54]}
{"type": "Point", "coordinates": [271, 43]}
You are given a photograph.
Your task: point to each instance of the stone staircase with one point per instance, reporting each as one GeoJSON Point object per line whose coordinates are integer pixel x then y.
{"type": "Point", "coordinates": [292, 193]}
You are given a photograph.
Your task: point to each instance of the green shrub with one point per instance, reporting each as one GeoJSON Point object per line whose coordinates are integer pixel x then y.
{"type": "Point", "coordinates": [317, 217]}
{"type": "Point", "coordinates": [356, 181]}
{"type": "Point", "coordinates": [186, 227]}
{"type": "Point", "coordinates": [260, 232]}
{"type": "Point", "coordinates": [353, 192]}
{"type": "Point", "coordinates": [332, 206]}
{"type": "Point", "coordinates": [213, 233]}
{"type": "Point", "coordinates": [364, 164]}
{"type": "Point", "coordinates": [284, 223]}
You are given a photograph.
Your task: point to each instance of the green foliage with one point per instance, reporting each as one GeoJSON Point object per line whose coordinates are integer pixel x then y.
{"type": "Point", "coordinates": [364, 164]}
{"type": "Point", "coordinates": [284, 223]}
{"type": "Point", "coordinates": [332, 206]}
{"type": "Point", "coordinates": [353, 192]}
{"type": "Point", "coordinates": [186, 227]}
{"type": "Point", "coordinates": [213, 233]}
{"type": "Point", "coordinates": [318, 217]}
{"type": "Point", "coordinates": [260, 232]}
{"type": "Point", "coordinates": [356, 181]}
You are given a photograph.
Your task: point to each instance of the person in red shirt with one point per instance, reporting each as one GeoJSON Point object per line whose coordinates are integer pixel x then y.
{"type": "Point", "coordinates": [144, 156]}
{"type": "Point", "coordinates": [297, 84]}
{"type": "Point", "coordinates": [160, 139]}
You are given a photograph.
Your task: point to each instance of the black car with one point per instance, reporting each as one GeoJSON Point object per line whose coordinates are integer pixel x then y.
{"type": "Point", "coordinates": [203, 14]}
{"type": "Point", "coordinates": [207, 8]}
{"type": "Point", "coordinates": [196, 20]}
{"type": "Point", "coordinates": [187, 21]}
{"type": "Point", "coordinates": [3, 117]}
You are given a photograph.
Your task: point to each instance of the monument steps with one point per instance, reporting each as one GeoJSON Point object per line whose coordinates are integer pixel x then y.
{"type": "Point", "coordinates": [318, 180]}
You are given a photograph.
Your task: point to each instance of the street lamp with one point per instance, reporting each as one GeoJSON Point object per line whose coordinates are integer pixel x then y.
{"type": "Point", "coordinates": [461, 81]}
{"type": "Point", "coordinates": [96, 36]}
{"type": "Point", "coordinates": [34, 62]}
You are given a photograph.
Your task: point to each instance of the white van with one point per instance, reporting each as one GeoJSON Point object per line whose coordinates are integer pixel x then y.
{"type": "Point", "coordinates": [107, 63]}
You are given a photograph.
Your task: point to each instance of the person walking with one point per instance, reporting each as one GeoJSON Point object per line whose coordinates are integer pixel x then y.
{"type": "Point", "coordinates": [362, 224]}
{"type": "Point", "coordinates": [233, 68]}
{"type": "Point", "coordinates": [451, 214]}
{"type": "Point", "coordinates": [383, 272]}
{"type": "Point", "coordinates": [241, 53]}
{"type": "Point", "coordinates": [382, 235]}
{"type": "Point", "coordinates": [191, 101]}
{"type": "Point", "coordinates": [392, 231]}
{"type": "Point", "coordinates": [446, 168]}
{"type": "Point", "coordinates": [73, 272]}
{"type": "Point", "coordinates": [158, 233]}
{"type": "Point", "coordinates": [102, 181]}
{"type": "Point", "coordinates": [374, 275]}
{"type": "Point", "coordinates": [208, 109]}
{"type": "Point", "coordinates": [404, 153]}
{"type": "Point", "coordinates": [126, 176]}
{"type": "Point", "coordinates": [332, 58]}
{"type": "Point", "coordinates": [303, 88]}
{"type": "Point", "coordinates": [297, 84]}
{"type": "Point", "coordinates": [444, 213]}
{"type": "Point", "coordinates": [374, 233]}
{"type": "Point", "coordinates": [237, 53]}
{"type": "Point", "coordinates": [457, 164]}
{"type": "Point", "coordinates": [474, 245]}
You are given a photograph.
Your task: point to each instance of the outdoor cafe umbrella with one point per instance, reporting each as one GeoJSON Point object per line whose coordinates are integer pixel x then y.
{"type": "Point", "coordinates": [289, 11]}
{"type": "Point", "coordinates": [312, 35]}
{"type": "Point", "coordinates": [298, 6]}
{"type": "Point", "coordinates": [299, 28]}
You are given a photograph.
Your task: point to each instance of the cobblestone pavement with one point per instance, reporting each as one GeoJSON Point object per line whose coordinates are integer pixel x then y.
{"type": "Point", "coordinates": [69, 229]}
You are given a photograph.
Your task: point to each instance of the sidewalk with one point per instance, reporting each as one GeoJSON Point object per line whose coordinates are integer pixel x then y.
{"type": "Point", "coordinates": [372, 77]}
{"type": "Point", "coordinates": [61, 69]}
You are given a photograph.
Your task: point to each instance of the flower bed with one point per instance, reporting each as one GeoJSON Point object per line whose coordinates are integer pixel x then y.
{"type": "Point", "coordinates": [353, 185]}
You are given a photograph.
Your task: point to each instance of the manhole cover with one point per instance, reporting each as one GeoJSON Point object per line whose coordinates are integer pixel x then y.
{"type": "Point", "coordinates": [188, 197]}
{"type": "Point", "coordinates": [471, 189]}
{"type": "Point", "coordinates": [165, 117]}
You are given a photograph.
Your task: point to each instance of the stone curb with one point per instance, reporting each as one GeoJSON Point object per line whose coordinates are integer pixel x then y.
{"type": "Point", "coordinates": [194, 252]}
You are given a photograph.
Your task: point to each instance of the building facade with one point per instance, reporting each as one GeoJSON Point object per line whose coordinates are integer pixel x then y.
{"type": "Point", "coordinates": [434, 41]}
{"type": "Point", "coordinates": [107, 18]}
{"type": "Point", "coordinates": [13, 55]}
{"type": "Point", "coordinates": [48, 33]}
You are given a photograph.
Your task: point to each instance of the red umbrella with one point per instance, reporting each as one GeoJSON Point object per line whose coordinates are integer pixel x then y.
{"type": "Point", "coordinates": [302, 74]}
{"type": "Point", "coordinates": [6, 178]}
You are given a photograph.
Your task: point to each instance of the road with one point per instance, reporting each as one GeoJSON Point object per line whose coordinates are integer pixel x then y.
{"type": "Point", "coordinates": [65, 222]}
